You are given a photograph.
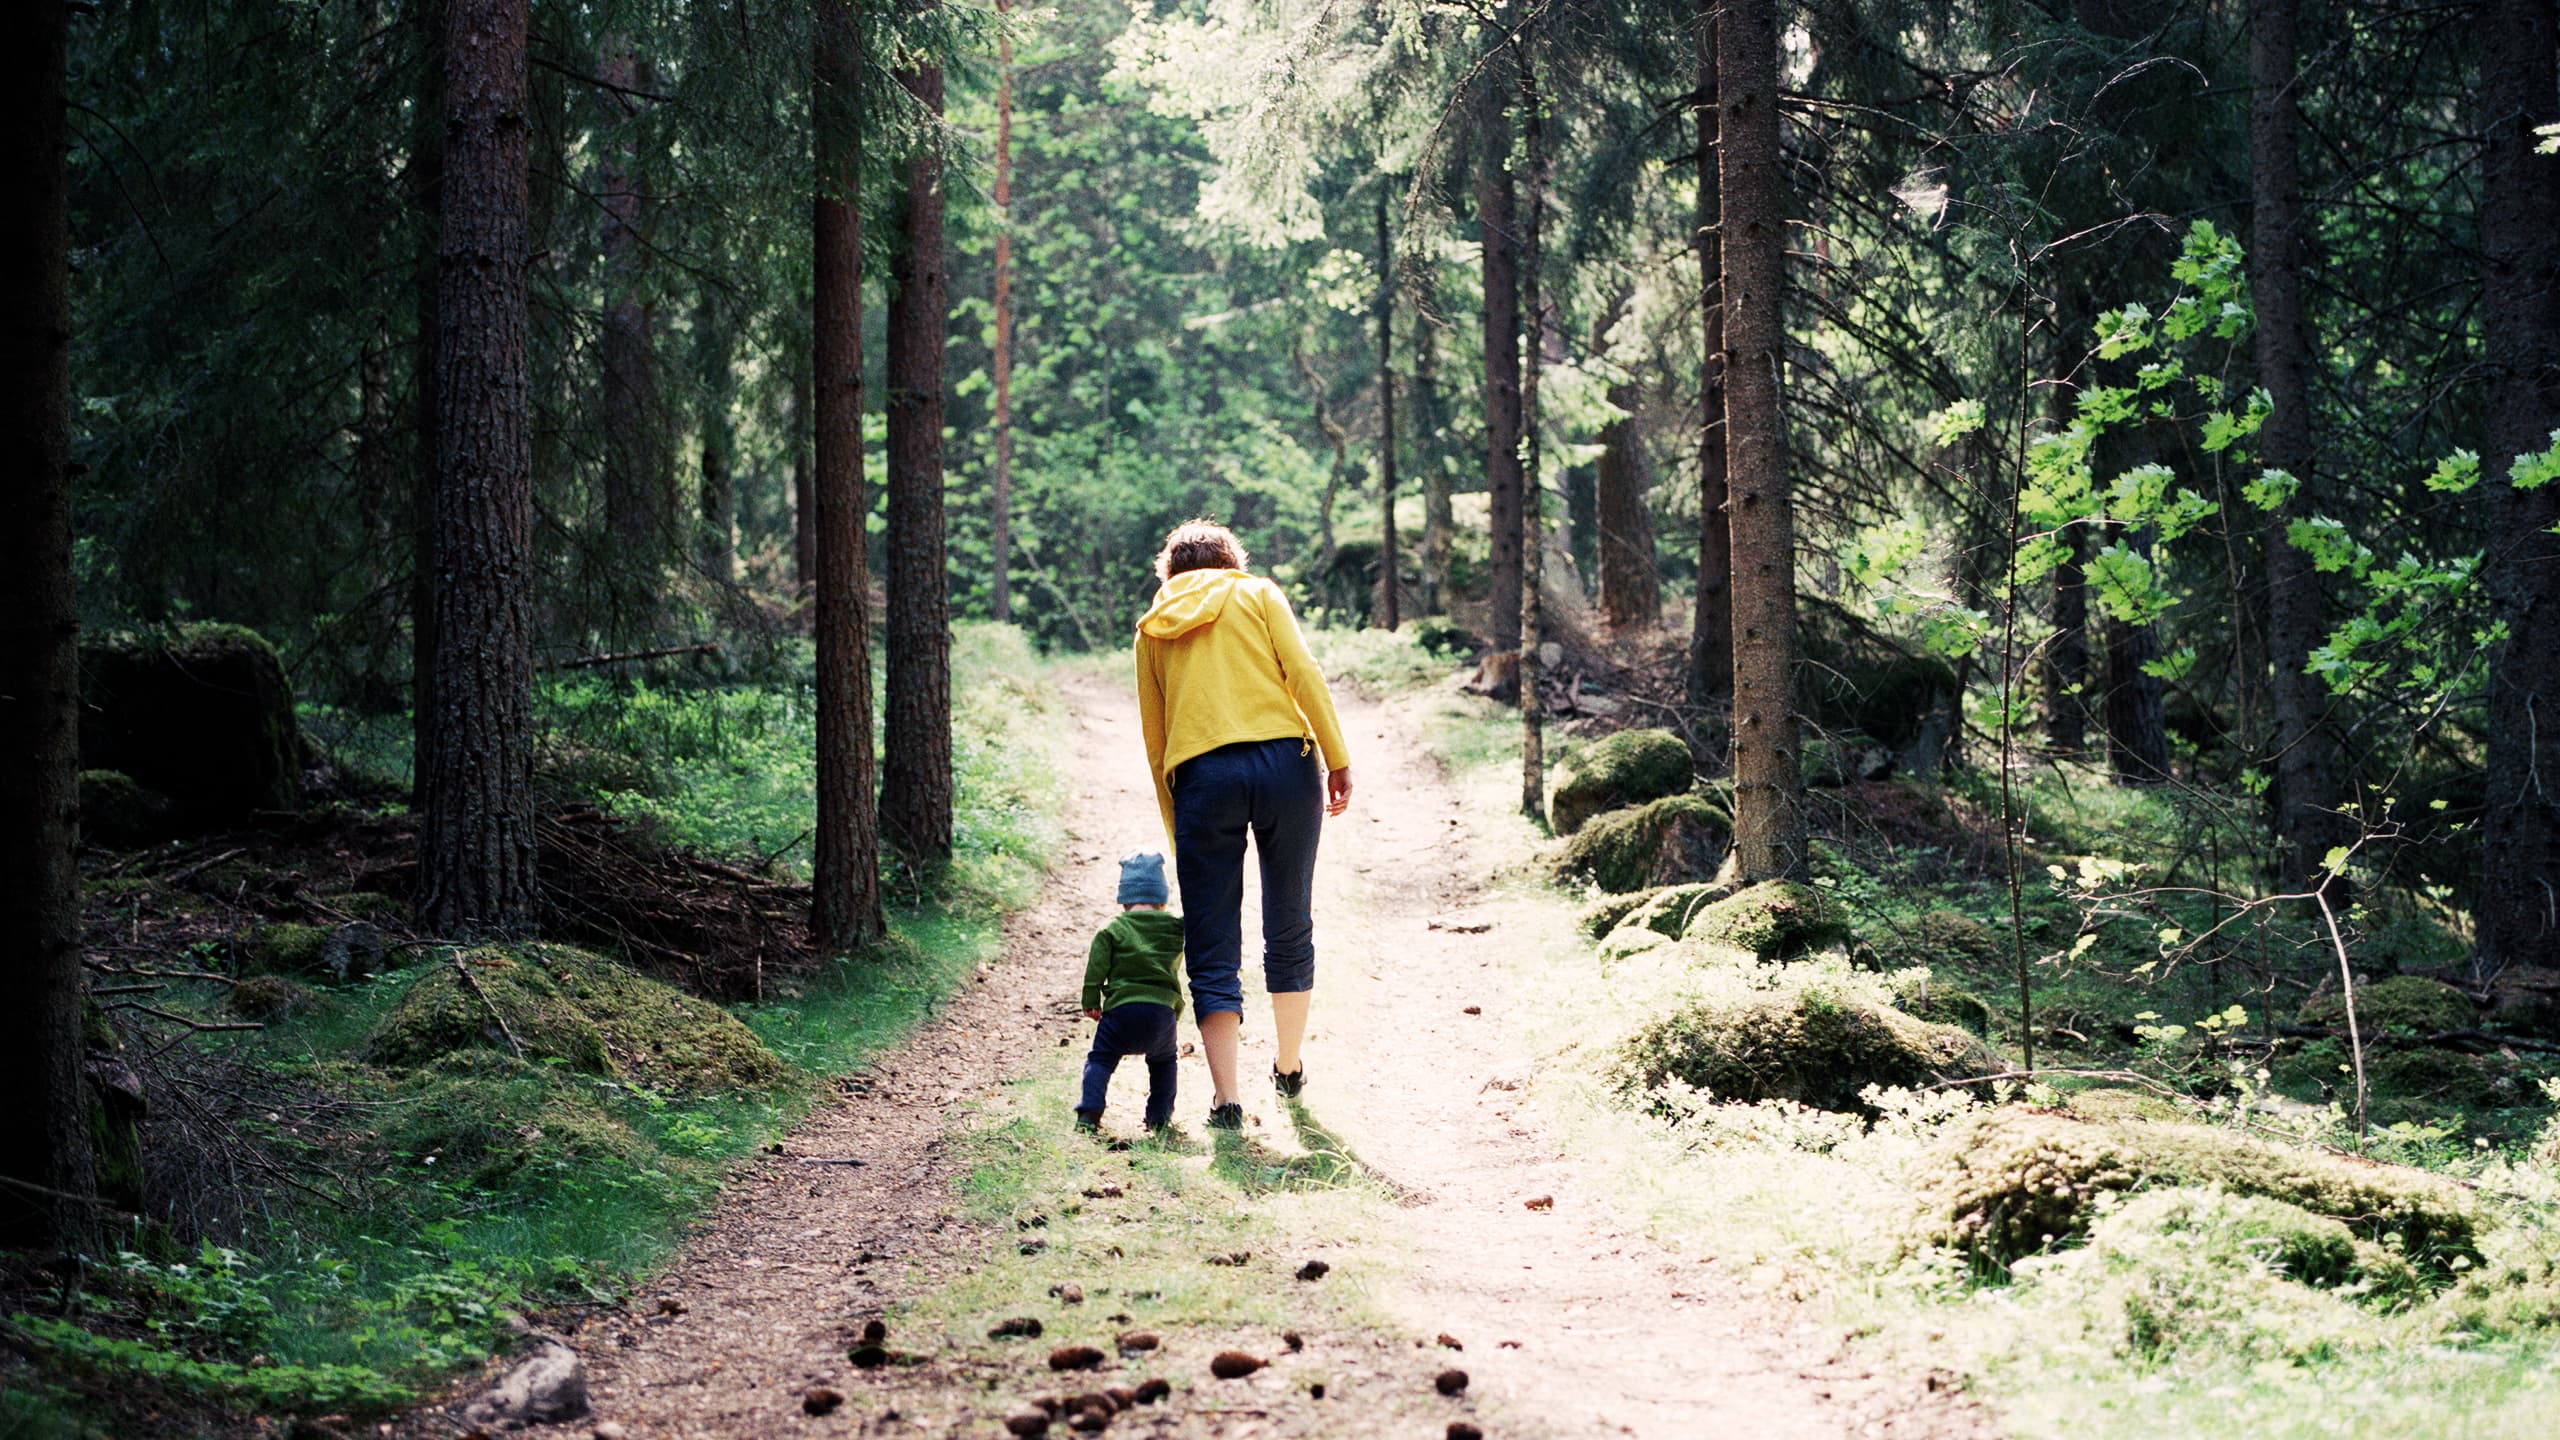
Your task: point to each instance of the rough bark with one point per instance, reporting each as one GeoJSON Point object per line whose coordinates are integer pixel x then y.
{"type": "Point", "coordinates": [1000, 504]}
{"type": "Point", "coordinates": [1533, 546]}
{"type": "Point", "coordinates": [1711, 619]}
{"type": "Point", "coordinates": [425, 187]}
{"type": "Point", "coordinates": [1768, 788]}
{"type": "Point", "coordinates": [476, 843]}
{"type": "Point", "coordinates": [1388, 618]}
{"type": "Point", "coordinates": [844, 907]}
{"type": "Point", "coordinates": [804, 483]}
{"type": "Point", "coordinates": [2517, 916]}
{"type": "Point", "coordinates": [1630, 588]}
{"type": "Point", "coordinates": [1439, 516]}
{"type": "Point", "coordinates": [915, 781]}
{"type": "Point", "coordinates": [1498, 229]}
{"type": "Point", "coordinates": [47, 1164]}
{"type": "Point", "coordinates": [637, 496]}
{"type": "Point", "coordinates": [2306, 770]}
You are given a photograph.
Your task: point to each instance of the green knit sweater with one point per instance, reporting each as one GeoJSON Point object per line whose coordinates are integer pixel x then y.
{"type": "Point", "coordinates": [1137, 957]}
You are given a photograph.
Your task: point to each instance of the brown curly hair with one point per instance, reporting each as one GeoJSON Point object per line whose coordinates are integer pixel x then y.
{"type": "Point", "coordinates": [1199, 545]}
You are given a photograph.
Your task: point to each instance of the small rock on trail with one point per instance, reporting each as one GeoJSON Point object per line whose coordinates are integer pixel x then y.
{"type": "Point", "coordinates": [1153, 1391]}
{"type": "Point", "coordinates": [1020, 1327]}
{"type": "Point", "coordinates": [1075, 1357]}
{"type": "Point", "coordinates": [547, 1386]}
{"type": "Point", "coordinates": [819, 1400]}
{"type": "Point", "coordinates": [1448, 1341]}
{"type": "Point", "coordinates": [1452, 1381]}
{"type": "Point", "coordinates": [1233, 1365]}
{"type": "Point", "coordinates": [1314, 1270]}
{"type": "Point", "coordinates": [1138, 1341]}
{"type": "Point", "coordinates": [1461, 1430]}
{"type": "Point", "coordinates": [1027, 1423]}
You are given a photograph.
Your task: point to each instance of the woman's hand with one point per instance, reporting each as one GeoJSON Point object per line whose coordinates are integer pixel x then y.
{"type": "Point", "coordinates": [1337, 790]}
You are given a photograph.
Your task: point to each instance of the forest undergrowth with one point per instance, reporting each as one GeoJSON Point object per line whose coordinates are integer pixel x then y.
{"type": "Point", "coordinates": [379, 1214]}
{"type": "Point", "coordinates": [2175, 1300]}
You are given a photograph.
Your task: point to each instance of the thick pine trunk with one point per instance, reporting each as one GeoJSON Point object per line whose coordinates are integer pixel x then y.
{"type": "Point", "coordinates": [1711, 620]}
{"type": "Point", "coordinates": [1498, 228]}
{"type": "Point", "coordinates": [1439, 512]}
{"type": "Point", "coordinates": [1000, 504]}
{"type": "Point", "coordinates": [915, 782]}
{"type": "Point", "coordinates": [1630, 588]}
{"type": "Point", "coordinates": [804, 483]}
{"type": "Point", "coordinates": [844, 908]}
{"type": "Point", "coordinates": [1388, 599]}
{"type": "Point", "coordinates": [44, 1139]}
{"type": "Point", "coordinates": [2307, 791]}
{"type": "Point", "coordinates": [1768, 789]}
{"type": "Point", "coordinates": [476, 843]}
{"type": "Point", "coordinates": [2517, 917]}
{"type": "Point", "coordinates": [1533, 540]}
{"type": "Point", "coordinates": [636, 495]}
{"type": "Point", "coordinates": [425, 189]}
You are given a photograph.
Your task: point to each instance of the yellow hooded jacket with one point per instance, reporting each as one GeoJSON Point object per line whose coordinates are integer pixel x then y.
{"type": "Point", "coordinates": [1220, 661]}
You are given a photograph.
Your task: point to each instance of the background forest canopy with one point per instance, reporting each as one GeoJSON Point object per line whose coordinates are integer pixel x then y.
{"type": "Point", "coordinates": [2032, 422]}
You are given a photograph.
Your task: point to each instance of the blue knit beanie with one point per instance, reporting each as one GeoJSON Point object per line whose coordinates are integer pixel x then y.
{"type": "Point", "coordinates": [1142, 878]}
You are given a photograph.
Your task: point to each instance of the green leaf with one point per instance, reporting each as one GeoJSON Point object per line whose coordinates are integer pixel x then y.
{"type": "Point", "coordinates": [2456, 472]}
{"type": "Point", "coordinates": [2531, 472]}
{"type": "Point", "coordinates": [2270, 490]}
{"type": "Point", "coordinates": [2335, 862]}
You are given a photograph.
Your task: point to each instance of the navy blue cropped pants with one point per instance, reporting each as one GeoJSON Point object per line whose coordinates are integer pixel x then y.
{"type": "Point", "coordinates": [1272, 790]}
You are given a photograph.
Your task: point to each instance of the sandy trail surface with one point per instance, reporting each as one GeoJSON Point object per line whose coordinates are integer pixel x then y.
{"type": "Point", "coordinates": [1573, 1325]}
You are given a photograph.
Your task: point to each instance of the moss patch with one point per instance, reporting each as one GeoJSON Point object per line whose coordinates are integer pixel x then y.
{"type": "Point", "coordinates": [1628, 768]}
{"type": "Point", "coordinates": [1668, 910]}
{"type": "Point", "coordinates": [1773, 920]}
{"type": "Point", "coordinates": [1811, 1044]}
{"type": "Point", "coordinates": [1942, 938]}
{"type": "Point", "coordinates": [2401, 1005]}
{"type": "Point", "coordinates": [1674, 841]}
{"type": "Point", "coordinates": [486, 1117]}
{"type": "Point", "coordinates": [284, 948]}
{"type": "Point", "coordinates": [2023, 1180]}
{"type": "Point", "coordinates": [115, 809]}
{"type": "Point", "coordinates": [564, 1004]}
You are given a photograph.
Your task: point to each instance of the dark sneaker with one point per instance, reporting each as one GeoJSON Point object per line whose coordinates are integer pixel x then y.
{"type": "Point", "coordinates": [1291, 1084]}
{"type": "Point", "coordinates": [1088, 1120]}
{"type": "Point", "coordinates": [1229, 1116]}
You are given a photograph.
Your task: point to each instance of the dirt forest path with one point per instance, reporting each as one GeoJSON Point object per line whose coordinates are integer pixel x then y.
{"type": "Point", "coordinates": [1612, 1335]}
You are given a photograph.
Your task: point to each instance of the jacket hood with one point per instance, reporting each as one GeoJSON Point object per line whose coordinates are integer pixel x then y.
{"type": "Point", "coordinates": [1190, 600]}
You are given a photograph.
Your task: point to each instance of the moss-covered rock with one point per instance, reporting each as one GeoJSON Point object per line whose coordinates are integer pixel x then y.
{"type": "Point", "coordinates": [1668, 910]}
{"type": "Point", "coordinates": [2426, 1074]}
{"type": "Point", "coordinates": [199, 713]}
{"type": "Point", "coordinates": [2400, 1005]}
{"type": "Point", "coordinates": [1628, 768]}
{"type": "Point", "coordinates": [2019, 1181]}
{"type": "Point", "coordinates": [583, 1010]}
{"type": "Point", "coordinates": [1629, 940]}
{"type": "Point", "coordinates": [488, 1118]}
{"type": "Point", "coordinates": [1675, 841]}
{"type": "Point", "coordinates": [116, 810]}
{"type": "Point", "coordinates": [1941, 939]}
{"type": "Point", "coordinates": [1774, 920]}
{"type": "Point", "coordinates": [1949, 1005]}
{"type": "Point", "coordinates": [282, 948]}
{"type": "Point", "coordinates": [267, 997]}
{"type": "Point", "coordinates": [2526, 999]}
{"type": "Point", "coordinates": [1811, 1044]}
{"type": "Point", "coordinates": [2124, 1102]}
{"type": "Point", "coordinates": [1602, 915]}
{"type": "Point", "coordinates": [370, 905]}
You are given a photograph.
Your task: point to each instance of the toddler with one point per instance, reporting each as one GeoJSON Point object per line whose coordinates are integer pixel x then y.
{"type": "Point", "coordinates": [1132, 984]}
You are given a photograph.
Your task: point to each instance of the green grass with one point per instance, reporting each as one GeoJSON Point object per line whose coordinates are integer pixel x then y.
{"type": "Point", "coordinates": [503, 1187]}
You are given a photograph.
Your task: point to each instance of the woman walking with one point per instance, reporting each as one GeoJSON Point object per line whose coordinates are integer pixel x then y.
{"type": "Point", "coordinates": [1236, 716]}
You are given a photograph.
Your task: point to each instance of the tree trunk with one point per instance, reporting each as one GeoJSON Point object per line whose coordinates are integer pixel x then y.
{"type": "Point", "coordinates": [844, 907]}
{"type": "Point", "coordinates": [1768, 787]}
{"type": "Point", "coordinates": [2517, 917]}
{"type": "Point", "coordinates": [1711, 620]}
{"type": "Point", "coordinates": [1533, 548]}
{"type": "Point", "coordinates": [719, 495]}
{"type": "Point", "coordinates": [915, 784]}
{"type": "Point", "coordinates": [1388, 618]}
{"type": "Point", "coordinates": [1439, 517]}
{"type": "Point", "coordinates": [2137, 729]}
{"type": "Point", "coordinates": [426, 200]}
{"type": "Point", "coordinates": [48, 1168]}
{"type": "Point", "coordinates": [2307, 775]}
{"type": "Point", "coordinates": [1630, 587]}
{"type": "Point", "coordinates": [1000, 516]}
{"type": "Point", "coordinates": [2066, 660]}
{"type": "Point", "coordinates": [636, 495]}
{"type": "Point", "coordinates": [1498, 228]}
{"type": "Point", "coordinates": [804, 483]}
{"type": "Point", "coordinates": [476, 842]}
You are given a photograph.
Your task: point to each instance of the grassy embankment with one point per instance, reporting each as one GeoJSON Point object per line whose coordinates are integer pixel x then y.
{"type": "Point", "coordinates": [408, 1208]}
{"type": "Point", "coordinates": [2182, 1310]}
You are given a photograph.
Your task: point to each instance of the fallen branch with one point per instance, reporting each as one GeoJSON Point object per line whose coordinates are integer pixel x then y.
{"type": "Point", "coordinates": [203, 865]}
{"type": "Point", "coordinates": [2463, 1040]}
{"type": "Point", "coordinates": [589, 662]}
{"type": "Point", "coordinates": [471, 983]}
{"type": "Point", "coordinates": [156, 1013]}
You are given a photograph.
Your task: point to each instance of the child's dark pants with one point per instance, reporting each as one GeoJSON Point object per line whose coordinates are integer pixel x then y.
{"type": "Point", "coordinates": [1137, 1028]}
